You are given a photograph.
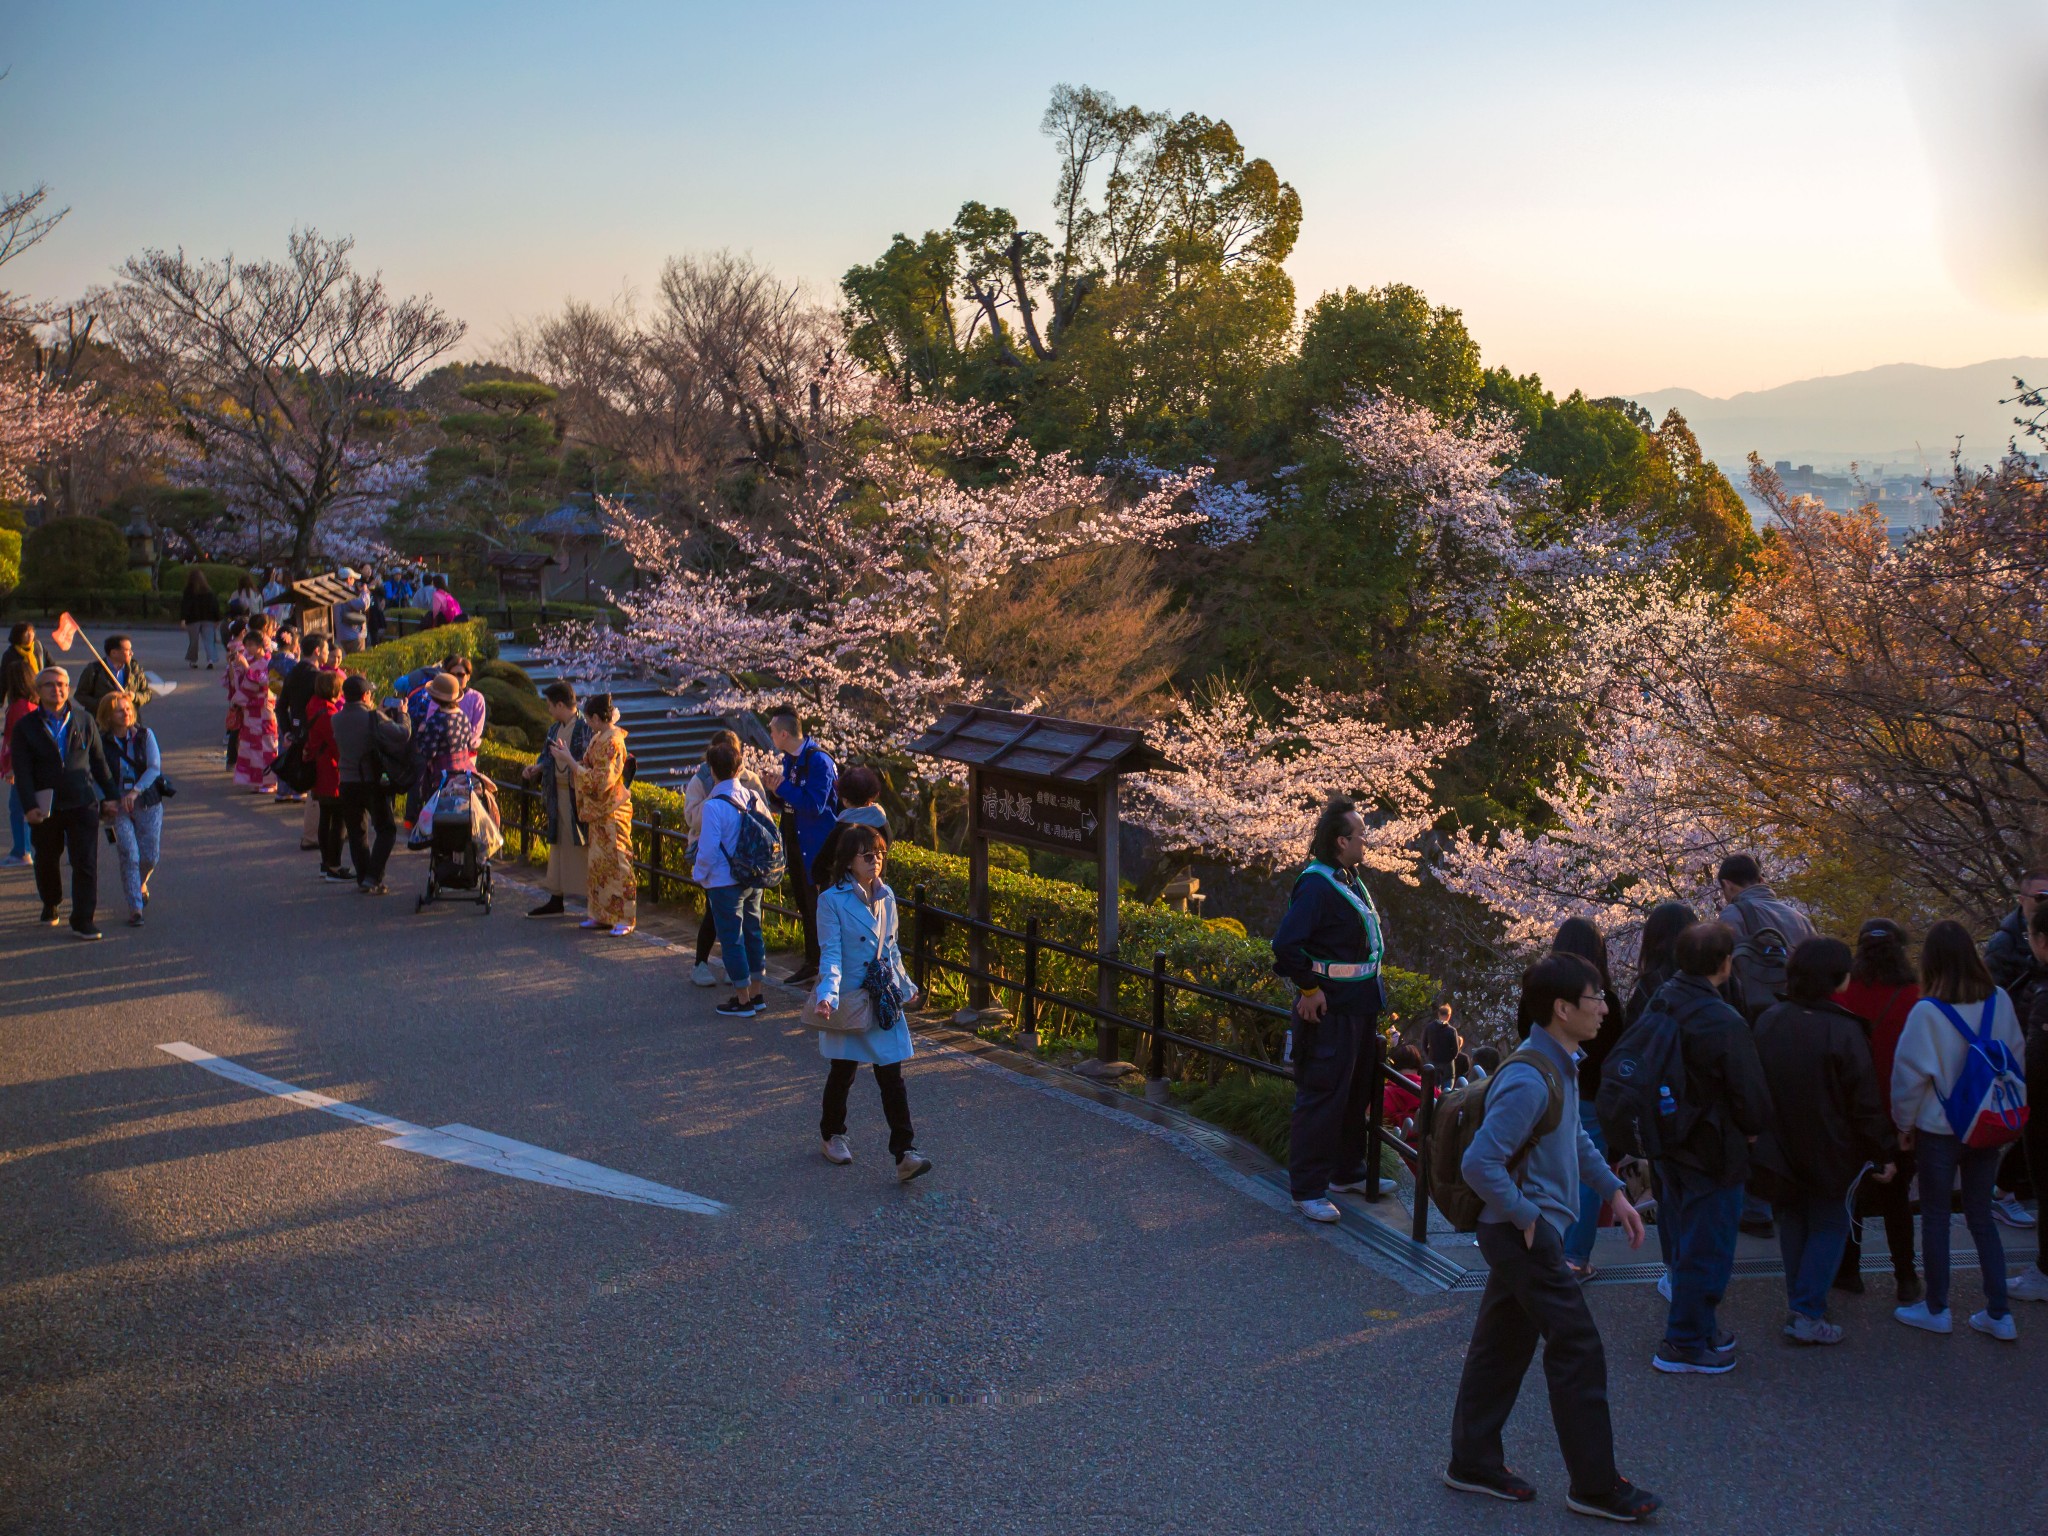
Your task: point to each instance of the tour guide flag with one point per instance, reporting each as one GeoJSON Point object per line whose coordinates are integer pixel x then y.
{"type": "Point", "coordinates": [65, 632]}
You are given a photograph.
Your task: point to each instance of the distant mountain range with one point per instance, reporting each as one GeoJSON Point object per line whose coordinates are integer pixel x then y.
{"type": "Point", "coordinates": [1901, 415]}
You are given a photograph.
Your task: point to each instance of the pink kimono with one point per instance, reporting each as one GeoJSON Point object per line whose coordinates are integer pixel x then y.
{"type": "Point", "coordinates": [256, 746]}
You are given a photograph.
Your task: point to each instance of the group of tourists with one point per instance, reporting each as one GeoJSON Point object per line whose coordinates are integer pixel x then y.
{"type": "Point", "coordinates": [80, 766]}
{"type": "Point", "coordinates": [1759, 1075]}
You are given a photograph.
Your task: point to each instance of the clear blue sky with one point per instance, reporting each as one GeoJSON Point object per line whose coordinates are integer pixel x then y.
{"type": "Point", "coordinates": [1621, 197]}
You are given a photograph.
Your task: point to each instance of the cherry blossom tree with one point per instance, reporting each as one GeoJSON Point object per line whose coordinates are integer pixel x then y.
{"type": "Point", "coordinates": [37, 419]}
{"type": "Point", "coordinates": [353, 528]}
{"type": "Point", "coordinates": [1252, 785]}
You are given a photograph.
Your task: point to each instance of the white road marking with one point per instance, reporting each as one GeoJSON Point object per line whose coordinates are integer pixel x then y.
{"type": "Point", "coordinates": [464, 1144]}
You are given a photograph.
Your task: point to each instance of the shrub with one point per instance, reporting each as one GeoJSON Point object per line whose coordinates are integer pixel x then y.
{"type": "Point", "coordinates": [384, 664]}
{"type": "Point", "coordinates": [222, 578]}
{"type": "Point", "coordinates": [516, 711]}
{"type": "Point", "coordinates": [70, 555]}
{"type": "Point", "coordinates": [10, 561]}
{"type": "Point", "coordinates": [507, 672]}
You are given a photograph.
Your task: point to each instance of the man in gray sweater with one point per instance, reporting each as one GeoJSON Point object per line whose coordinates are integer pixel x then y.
{"type": "Point", "coordinates": [1529, 1177]}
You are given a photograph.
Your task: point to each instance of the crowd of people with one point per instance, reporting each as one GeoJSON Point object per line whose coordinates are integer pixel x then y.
{"type": "Point", "coordinates": [1759, 1075]}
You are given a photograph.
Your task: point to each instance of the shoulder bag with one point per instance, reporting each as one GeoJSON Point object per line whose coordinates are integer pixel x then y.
{"type": "Point", "coordinates": [855, 1013]}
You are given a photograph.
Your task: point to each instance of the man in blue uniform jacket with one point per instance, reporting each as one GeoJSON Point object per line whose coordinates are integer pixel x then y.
{"type": "Point", "coordinates": [1329, 946]}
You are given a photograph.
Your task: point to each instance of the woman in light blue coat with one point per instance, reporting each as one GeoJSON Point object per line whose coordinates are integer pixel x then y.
{"type": "Point", "coordinates": [860, 967]}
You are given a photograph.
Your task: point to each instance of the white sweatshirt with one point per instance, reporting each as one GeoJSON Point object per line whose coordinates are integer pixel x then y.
{"type": "Point", "coordinates": [1931, 1055]}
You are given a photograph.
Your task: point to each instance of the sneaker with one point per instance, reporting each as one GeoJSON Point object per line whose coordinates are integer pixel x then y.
{"type": "Point", "coordinates": [1724, 1341]}
{"type": "Point", "coordinates": [1911, 1288]}
{"type": "Point", "coordinates": [2028, 1285]}
{"type": "Point", "coordinates": [1664, 1285]}
{"type": "Point", "coordinates": [1998, 1327]}
{"type": "Point", "coordinates": [379, 888]}
{"type": "Point", "coordinates": [739, 1007]}
{"type": "Point", "coordinates": [837, 1151]}
{"type": "Point", "coordinates": [1677, 1360]}
{"type": "Point", "coordinates": [1849, 1283]}
{"type": "Point", "coordinates": [134, 919]}
{"type": "Point", "coordinates": [49, 919]}
{"type": "Point", "coordinates": [1583, 1272]}
{"type": "Point", "coordinates": [1503, 1484]}
{"type": "Point", "coordinates": [2007, 1208]}
{"type": "Point", "coordinates": [1362, 1185]}
{"type": "Point", "coordinates": [704, 974]}
{"type": "Point", "coordinates": [803, 973]}
{"type": "Point", "coordinates": [1917, 1316]}
{"type": "Point", "coordinates": [1801, 1329]}
{"type": "Point", "coordinates": [552, 907]}
{"type": "Point", "coordinates": [87, 934]}
{"type": "Point", "coordinates": [338, 876]}
{"type": "Point", "coordinates": [1627, 1504]}
{"type": "Point", "coordinates": [1318, 1210]}
{"type": "Point", "coordinates": [911, 1165]}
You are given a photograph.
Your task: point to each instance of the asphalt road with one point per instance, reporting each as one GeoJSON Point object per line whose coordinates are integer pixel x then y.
{"type": "Point", "coordinates": [223, 1312]}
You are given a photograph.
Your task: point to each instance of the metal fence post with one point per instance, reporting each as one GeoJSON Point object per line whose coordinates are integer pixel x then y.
{"type": "Point", "coordinates": [1155, 1073]}
{"type": "Point", "coordinates": [917, 951]}
{"type": "Point", "coordinates": [654, 857]}
{"type": "Point", "coordinates": [1425, 1125]}
{"type": "Point", "coordinates": [1027, 1036]}
{"type": "Point", "coordinates": [1375, 1130]}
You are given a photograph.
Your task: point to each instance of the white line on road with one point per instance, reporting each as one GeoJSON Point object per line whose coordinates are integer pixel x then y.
{"type": "Point", "coordinates": [464, 1144]}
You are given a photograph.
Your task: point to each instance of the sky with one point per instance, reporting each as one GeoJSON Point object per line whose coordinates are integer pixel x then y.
{"type": "Point", "coordinates": [1618, 197]}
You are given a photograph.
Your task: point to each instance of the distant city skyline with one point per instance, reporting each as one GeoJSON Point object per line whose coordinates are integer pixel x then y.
{"type": "Point", "coordinates": [1622, 201]}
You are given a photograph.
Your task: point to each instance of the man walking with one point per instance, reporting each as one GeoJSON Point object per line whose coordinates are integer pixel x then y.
{"type": "Point", "coordinates": [810, 790]}
{"type": "Point", "coordinates": [119, 673]}
{"type": "Point", "coordinates": [1529, 1178]}
{"type": "Point", "coordinates": [1329, 945]}
{"type": "Point", "coordinates": [60, 768]}
{"type": "Point", "coordinates": [367, 743]}
{"type": "Point", "coordinates": [1725, 1106]}
{"type": "Point", "coordinates": [1756, 981]}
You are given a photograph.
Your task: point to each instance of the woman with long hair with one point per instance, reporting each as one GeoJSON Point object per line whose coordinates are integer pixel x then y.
{"type": "Point", "coordinates": [199, 612]}
{"type": "Point", "coordinates": [138, 767]}
{"type": "Point", "coordinates": [861, 976]}
{"type": "Point", "coordinates": [1577, 936]}
{"type": "Point", "coordinates": [1656, 960]}
{"type": "Point", "coordinates": [604, 803]}
{"type": "Point", "coordinates": [1882, 989]}
{"type": "Point", "coordinates": [18, 669]}
{"type": "Point", "coordinates": [1958, 1003]}
{"type": "Point", "coordinates": [252, 714]}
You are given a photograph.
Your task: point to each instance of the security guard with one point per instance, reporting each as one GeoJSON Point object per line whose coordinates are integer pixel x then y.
{"type": "Point", "coordinates": [1329, 946]}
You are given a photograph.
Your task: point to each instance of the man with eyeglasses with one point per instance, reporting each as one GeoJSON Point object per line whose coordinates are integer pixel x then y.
{"type": "Point", "coordinates": [60, 767]}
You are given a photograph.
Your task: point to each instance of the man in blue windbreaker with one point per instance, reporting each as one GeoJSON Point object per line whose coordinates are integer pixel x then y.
{"type": "Point", "coordinates": [810, 791]}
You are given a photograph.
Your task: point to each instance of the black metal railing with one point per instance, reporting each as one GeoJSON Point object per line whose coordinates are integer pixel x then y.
{"type": "Point", "coordinates": [1161, 987]}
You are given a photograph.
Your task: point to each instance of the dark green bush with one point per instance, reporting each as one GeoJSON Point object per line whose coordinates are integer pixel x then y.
{"type": "Point", "coordinates": [384, 664]}
{"type": "Point", "coordinates": [222, 578]}
{"type": "Point", "coordinates": [69, 555]}
{"type": "Point", "coordinates": [514, 710]}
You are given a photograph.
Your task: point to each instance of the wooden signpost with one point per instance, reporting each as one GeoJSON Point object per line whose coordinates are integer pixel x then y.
{"type": "Point", "coordinates": [1042, 783]}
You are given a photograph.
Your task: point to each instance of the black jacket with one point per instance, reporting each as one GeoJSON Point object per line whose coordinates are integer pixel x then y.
{"type": "Point", "coordinates": [199, 608]}
{"type": "Point", "coordinates": [82, 777]}
{"type": "Point", "coordinates": [1830, 1119]}
{"type": "Point", "coordinates": [296, 694]}
{"type": "Point", "coordinates": [1724, 1082]}
{"type": "Point", "coordinates": [1593, 1055]}
{"type": "Point", "coordinates": [1321, 925]}
{"type": "Point", "coordinates": [359, 731]}
{"type": "Point", "coordinates": [2008, 956]}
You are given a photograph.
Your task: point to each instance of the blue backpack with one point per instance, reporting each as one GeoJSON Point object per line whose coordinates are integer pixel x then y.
{"type": "Point", "coordinates": [1987, 1107]}
{"type": "Point", "coordinates": [756, 858]}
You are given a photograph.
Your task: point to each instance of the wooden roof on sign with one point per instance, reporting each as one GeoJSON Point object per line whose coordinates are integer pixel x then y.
{"type": "Point", "coordinates": [501, 560]}
{"type": "Point", "coordinates": [1038, 746]}
{"type": "Point", "coordinates": [322, 590]}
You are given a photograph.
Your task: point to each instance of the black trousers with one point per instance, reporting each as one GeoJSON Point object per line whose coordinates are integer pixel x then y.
{"type": "Point", "coordinates": [707, 935]}
{"type": "Point", "coordinates": [2035, 1137]}
{"type": "Point", "coordinates": [331, 820]}
{"type": "Point", "coordinates": [76, 832]}
{"type": "Point", "coordinates": [895, 1104]}
{"type": "Point", "coordinates": [1893, 1203]}
{"type": "Point", "coordinates": [1326, 1142]}
{"type": "Point", "coordinates": [806, 897]}
{"type": "Point", "coordinates": [1531, 1295]}
{"type": "Point", "coordinates": [357, 802]}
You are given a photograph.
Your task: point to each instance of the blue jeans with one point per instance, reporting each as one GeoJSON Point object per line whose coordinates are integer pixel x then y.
{"type": "Point", "coordinates": [17, 822]}
{"type": "Point", "coordinates": [736, 914]}
{"type": "Point", "coordinates": [1578, 1237]}
{"type": "Point", "coordinates": [1940, 1159]}
{"type": "Point", "coordinates": [1703, 1250]}
{"type": "Point", "coordinates": [138, 835]}
{"type": "Point", "coordinates": [1812, 1232]}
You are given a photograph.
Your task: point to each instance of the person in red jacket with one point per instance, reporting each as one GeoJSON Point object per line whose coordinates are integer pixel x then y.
{"type": "Point", "coordinates": [1882, 989]}
{"type": "Point", "coordinates": [326, 760]}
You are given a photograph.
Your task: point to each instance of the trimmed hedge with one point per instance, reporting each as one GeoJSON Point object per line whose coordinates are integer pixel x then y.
{"type": "Point", "coordinates": [70, 555]}
{"type": "Point", "coordinates": [1214, 953]}
{"type": "Point", "coordinates": [384, 664]}
{"type": "Point", "coordinates": [10, 561]}
{"type": "Point", "coordinates": [221, 578]}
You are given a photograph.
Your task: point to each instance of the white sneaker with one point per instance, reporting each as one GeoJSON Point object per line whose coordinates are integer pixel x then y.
{"type": "Point", "coordinates": [2028, 1285]}
{"type": "Point", "coordinates": [910, 1165]}
{"type": "Point", "coordinates": [1664, 1285]}
{"type": "Point", "coordinates": [837, 1151]}
{"type": "Point", "coordinates": [2007, 1208]}
{"type": "Point", "coordinates": [1917, 1316]}
{"type": "Point", "coordinates": [703, 974]}
{"type": "Point", "coordinates": [1318, 1210]}
{"type": "Point", "coordinates": [1362, 1185]}
{"type": "Point", "coordinates": [1998, 1327]}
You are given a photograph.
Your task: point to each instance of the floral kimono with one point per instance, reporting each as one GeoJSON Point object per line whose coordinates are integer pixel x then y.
{"type": "Point", "coordinates": [604, 804]}
{"type": "Point", "coordinates": [256, 739]}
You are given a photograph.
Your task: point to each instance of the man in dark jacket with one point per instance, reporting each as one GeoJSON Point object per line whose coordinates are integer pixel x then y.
{"type": "Point", "coordinates": [1830, 1123]}
{"type": "Point", "coordinates": [1726, 1106]}
{"type": "Point", "coordinates": [119, 673]}
{"type": "Point", "coordinates": [60, 767]}
{"type": "Point", "coordinates": [2007, 955]}
{"type": "Point", "coordinates": [1329, 946]}
{"type": "Point", "coordinates": [364, 741]}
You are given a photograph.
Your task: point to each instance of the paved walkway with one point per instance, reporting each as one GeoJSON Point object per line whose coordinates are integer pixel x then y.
{"type": "Point", "coordinates": [226, 1311]}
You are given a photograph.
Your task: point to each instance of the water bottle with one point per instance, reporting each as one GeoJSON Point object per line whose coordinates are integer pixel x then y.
{"type": "Point", "coordinates": [1666, 1105]}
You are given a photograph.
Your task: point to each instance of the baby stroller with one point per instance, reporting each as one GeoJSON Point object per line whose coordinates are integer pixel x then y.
{"type": "Point", "coordinates": [458, 829]}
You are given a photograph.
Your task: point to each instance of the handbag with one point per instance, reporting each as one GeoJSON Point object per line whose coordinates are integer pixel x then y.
{"type": "Point", "coordinates": [855, 1014]}
{"type": "Point", "coordinates": [234, 717]}
{"type": "Point", "coordinates": [861, 1008]}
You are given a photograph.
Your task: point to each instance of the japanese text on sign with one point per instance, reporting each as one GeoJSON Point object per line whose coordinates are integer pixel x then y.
{"type": "Point", "coordinates": [1044, 815]}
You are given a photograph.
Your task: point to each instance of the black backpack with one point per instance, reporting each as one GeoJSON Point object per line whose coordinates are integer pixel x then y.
{"type": "Point", "coordinates": [1641, 1102]}
{"type": "Point", "coordinates": [1761, 959]}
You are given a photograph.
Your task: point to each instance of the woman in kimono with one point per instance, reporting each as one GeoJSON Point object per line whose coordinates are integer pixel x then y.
{"type": "Point", "coordinates": [249, 692]}
{"type": "Point", "coordinates": [604, 804]}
